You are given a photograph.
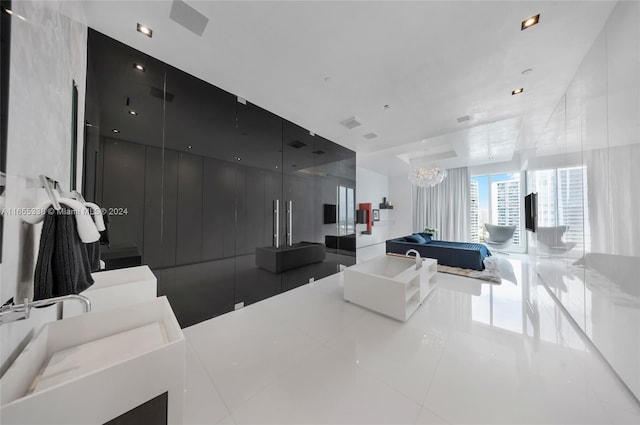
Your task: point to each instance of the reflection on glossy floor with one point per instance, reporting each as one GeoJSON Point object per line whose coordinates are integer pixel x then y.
{"type": "Point", "coordinates": [473, 353]}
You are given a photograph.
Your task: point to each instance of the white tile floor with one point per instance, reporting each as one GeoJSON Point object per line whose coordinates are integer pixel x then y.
{"type": "Point", "coordinates": [473, 353]}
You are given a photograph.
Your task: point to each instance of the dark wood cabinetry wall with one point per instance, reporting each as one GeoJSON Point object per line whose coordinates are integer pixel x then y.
{"type": "Point", "coordinates": [198, 178]}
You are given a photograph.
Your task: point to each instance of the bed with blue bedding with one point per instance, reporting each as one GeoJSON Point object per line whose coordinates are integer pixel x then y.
{"type": "Point", "coordinates": [465, 255]}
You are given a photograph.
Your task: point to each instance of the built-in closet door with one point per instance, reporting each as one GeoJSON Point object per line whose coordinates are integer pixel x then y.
{"type": "Point", "coordinates": [189, 216]}
{"type": "Point", "coordinates": [160, 207]}
{"type": "Point", "coordinates": [219, 210]}
{"type": "Point", "coordinates": [259, 203]}
{"type": "Point", "coordinates": [123, 192]}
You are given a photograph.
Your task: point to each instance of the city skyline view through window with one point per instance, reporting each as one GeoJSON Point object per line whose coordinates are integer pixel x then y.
{"type": "Point", "coordinates": [495, 199]}
{"type": "Point", "coordinates": [346, 210]}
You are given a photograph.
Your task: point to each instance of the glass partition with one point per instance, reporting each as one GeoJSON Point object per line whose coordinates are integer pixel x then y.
{"type": "Point", "coordinates": [220, 197]}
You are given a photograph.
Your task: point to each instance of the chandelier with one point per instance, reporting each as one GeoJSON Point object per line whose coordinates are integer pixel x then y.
{"type": "Point", "coordinates": [427, 177]}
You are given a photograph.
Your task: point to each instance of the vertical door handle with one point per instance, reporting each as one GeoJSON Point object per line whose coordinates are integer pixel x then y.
{"type": "Point", "coordinates": [276, 223]}
{"type": "Point", "coordinates": [290, 223]}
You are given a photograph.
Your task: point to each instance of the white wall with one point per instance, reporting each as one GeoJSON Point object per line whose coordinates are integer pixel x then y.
{"type": "Point", "coordinates": [597, 125]}
{"type": "Point", "coordinates": [372, 187]}
{"type": "Point", "coordinates": [400, 194]}
{"type": "Point", "coordinates": [48, 52]}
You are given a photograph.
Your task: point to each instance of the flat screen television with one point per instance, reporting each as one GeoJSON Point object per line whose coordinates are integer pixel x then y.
{"type": "Point", "coordinates": [330, 213]}
{"type": "Point", "coordinates": [531, 211]}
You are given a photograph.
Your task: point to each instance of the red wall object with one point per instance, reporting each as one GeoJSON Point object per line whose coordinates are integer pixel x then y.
{"type": "Point", "coordinates": [368, 216]}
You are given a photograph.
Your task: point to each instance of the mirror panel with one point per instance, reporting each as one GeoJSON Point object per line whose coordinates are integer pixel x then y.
{"type": "Point", "coordinates": [5, 53]}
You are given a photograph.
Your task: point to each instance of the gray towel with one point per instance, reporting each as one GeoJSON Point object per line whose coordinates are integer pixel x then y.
{"type": "Point", "coordinates": [93, 252]}
{"type": "Point", "coordinates": [104, 235]}
{"type": "Point", "coordinates": [63, 265]}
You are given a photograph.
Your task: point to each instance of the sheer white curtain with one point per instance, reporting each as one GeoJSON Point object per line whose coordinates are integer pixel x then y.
{"type": "Point", "coordinates": [445, 207]}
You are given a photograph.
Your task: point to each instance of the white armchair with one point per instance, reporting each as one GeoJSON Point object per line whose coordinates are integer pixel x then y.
{"type": "Point", "coordinates": [499, 237]}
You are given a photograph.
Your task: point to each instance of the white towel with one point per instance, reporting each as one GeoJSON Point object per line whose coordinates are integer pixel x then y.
{"type": "Point", "coordinates": [87, 229]}
{"type": "Point", "coordinates": [97, 215]}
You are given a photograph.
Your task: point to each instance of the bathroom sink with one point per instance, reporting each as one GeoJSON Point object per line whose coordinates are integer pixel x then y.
{"type": "Point", "coordinates": [116, 288]}
{"type": "Point", "coordinates": [390, 284]}
{"type": "Point", "coordinates": [92, 368]}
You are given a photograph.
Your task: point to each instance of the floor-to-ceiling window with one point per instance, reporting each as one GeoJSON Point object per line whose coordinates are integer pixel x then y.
{"type": "Point", "coordinates": [346, 210]}
{"type": "Point", "coordinates": [496, 199]}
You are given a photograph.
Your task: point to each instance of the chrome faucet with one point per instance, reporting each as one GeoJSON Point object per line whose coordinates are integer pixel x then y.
{"type": "Point", "coordinates": [418, 259]}
{"type": "Point", "coordinates": [13, 312]}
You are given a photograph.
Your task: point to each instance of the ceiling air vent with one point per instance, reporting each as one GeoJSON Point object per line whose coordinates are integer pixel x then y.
{"type": "Point", "coordinates": [463, 119]}
{"type": "Point", "coordinates": [319, 152]}
{"type": "Point", "coordinates": [370, 136]}
{"type": "Point", "coordinates": [351, 123]}
{"type": "Point", "coordinates": [297, 144]}
{"type": "Point", "coordinates": [188, 17]}
{"type": "Point", "coordinates": [161, 94]}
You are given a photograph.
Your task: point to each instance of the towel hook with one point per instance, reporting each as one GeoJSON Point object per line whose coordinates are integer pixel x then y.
{"type": "Point", "coordinates": [79, 197]}
{"type": "Point", "coordinates": [46, 184]}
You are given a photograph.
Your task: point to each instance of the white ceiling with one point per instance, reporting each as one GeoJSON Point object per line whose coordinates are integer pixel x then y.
{"type": "Point", "coordinates": [319, 63]}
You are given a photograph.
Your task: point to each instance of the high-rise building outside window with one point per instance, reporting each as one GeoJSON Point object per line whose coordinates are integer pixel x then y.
{"type": "Point", "coordinates": [346, 210]}
{"type": "Point", "coordinates": [496, 199]}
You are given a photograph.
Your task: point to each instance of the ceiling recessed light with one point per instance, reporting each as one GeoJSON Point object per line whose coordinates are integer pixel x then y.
{"type": "Point", "coordinates": [529, 22]}
{"type": "Point", "coordinates": [238, 158]}
{"type": "Point", "coordinates": [139, 67]}
{"type": "Point", "coordinates": [145, 30]}
{"type": "Point", "coordinates": [190, 147]}
{"type": "Point", "coordinates": [115, 130]}
{"type": "Point", "coordinates": [133, 113]}
{"type": "Point", "coordinates": [517, 91]}
{"type": "Point", "coordinates": [276, 166]}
